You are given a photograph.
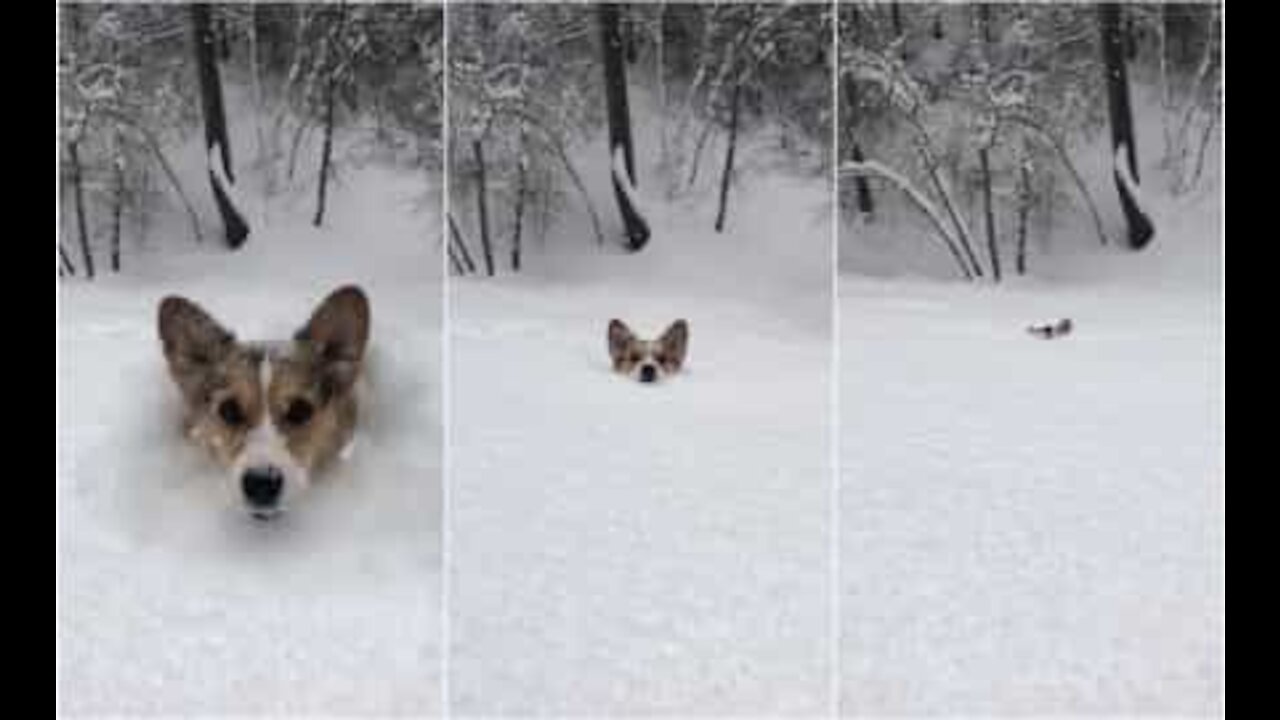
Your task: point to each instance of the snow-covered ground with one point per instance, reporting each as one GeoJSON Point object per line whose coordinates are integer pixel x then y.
{"type": "Point", "coordinates": [170, 601]}
{"type": "Point", "coordinates": [1036, 526]}
{"type": "Point", "coordinates": [627, 549]}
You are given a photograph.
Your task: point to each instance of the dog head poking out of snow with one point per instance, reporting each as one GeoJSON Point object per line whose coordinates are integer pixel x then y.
{"type": "Point", "coordinates": [1049, 331]}
{"type": "Point", "coordinates": [648, 360]}
{"type": "Point", "coordinates": [269, 412]}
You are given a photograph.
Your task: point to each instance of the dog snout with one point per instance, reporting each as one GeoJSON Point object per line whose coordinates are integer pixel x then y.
{"type": "Point", "coordinates": [262, 486]}
{"type": "Point", "coordinates": [648, 373]}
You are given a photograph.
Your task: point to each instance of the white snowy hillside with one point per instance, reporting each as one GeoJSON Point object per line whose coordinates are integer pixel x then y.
{"type": "Point", "coordinates": [1039, 526]}
{"type": "Point", "coordinates": [170, 598]}
{"type": "Point", "coordinates": [621, 548]}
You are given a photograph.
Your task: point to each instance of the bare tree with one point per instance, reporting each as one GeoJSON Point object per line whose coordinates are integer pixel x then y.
{"type": "Point", "coordinates": [77, 185]}
{"type": "Point", "coordinates": [482, 209]}
{"type": "Point", "coordinates": [215, 124]}
{"type": "Point", "coordinates": [984, 152]}
{"type": "Point", "coordinates": [727, 175]}
{"type": "Point", "coordinates": [65, 266]}
{"type": "Point", "coordinates": [863, 200]}
{"type": "Point", "coordinates": [459, 248]}
{"type": "Point", "coordinates": [522, 172]}
{"type": "Point", "coordinates": [1140, 228]}
{"type": "Point", "coordinates": [1025, 200]}
{"type": "Point", "coordinates": [615, 82]}
{"type": "Point", "coordinates": [333, 38]}
{"type": "Point", "coordinates": [117, 207]}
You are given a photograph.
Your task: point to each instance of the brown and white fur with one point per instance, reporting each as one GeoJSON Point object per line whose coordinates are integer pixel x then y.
{"type": "Point", "coordinates": [1049, 331]}
{"type": "Point", "coordinates": [271, 413]}
{"type": "Point", "coordinates": [648, 360]}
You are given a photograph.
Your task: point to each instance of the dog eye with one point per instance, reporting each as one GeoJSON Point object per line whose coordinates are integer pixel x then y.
{"type": "Point", "coordinates": [298, 412]}
{"type": "Point", "coordinates": [231, 413]}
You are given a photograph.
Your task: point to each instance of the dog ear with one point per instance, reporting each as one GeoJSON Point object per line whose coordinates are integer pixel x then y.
{"type": "Point", "coordinates": [192, 339]}
{"type": "Point", "coordinates": [619, 337]}
{"type": "Point", "coordinates": [338, 331]}
{"type": "Point", "coordinates": [675, 342]}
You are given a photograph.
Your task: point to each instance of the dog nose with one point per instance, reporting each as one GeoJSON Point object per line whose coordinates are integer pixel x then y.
{"type": "Point", "coordinates": [262, 485]}
{"type": "Point", "coordinates": [648, 373]}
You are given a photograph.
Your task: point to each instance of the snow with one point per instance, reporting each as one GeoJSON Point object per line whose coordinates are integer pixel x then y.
{"type": "Point", "coordinates": [171, 601]}
{"type": "Point", "coordinates": [1035, 526]}
{"type": "Point", "coordinates": [1023, 526]}
{"type": "Point", "coordinates": [619, 548]}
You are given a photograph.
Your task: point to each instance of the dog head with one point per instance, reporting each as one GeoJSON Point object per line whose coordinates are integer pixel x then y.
{"type": "Point", "coordinates": [648, 360]}
{"type": "Point", "coordinates": [269, 412]}
{"type": "Point", "coordinates": [1049, 331]}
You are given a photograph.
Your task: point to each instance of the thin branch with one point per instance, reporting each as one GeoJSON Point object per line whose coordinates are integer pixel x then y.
{"type": "Point", "coordinates": [871, 168]}
{"type": "Point", "coordinates": [153, 144]}
{"type": "Point", "coordinates": [1061, 150]}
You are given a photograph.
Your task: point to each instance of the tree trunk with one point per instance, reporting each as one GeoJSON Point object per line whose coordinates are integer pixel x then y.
{"type": "Point", "coordinates": [521, 172]}
{"type": "Point", "coordinates": [1140, 228]}
{"type": "Point", "coordinates": [984, 158]}
{"type": "Point", "coordinates": [697, 152]}
{"type": "Point", "coordinates": [82, 225]}
{"type": "Point", "coordinates": [861, 187]}
{"type": "Point", "coordinates": [215, 124]}
{"type": "Point", "coordinates": [264, 161]}
{"type": "Point", "coordinates": [482, 209]}
{"type": "Point", "coordinates": [461, 245]}
{"type": "Point", "coordinates": [1130, 38]}
{"type": "Point", "coordinates": [65, 264]}
{"type": "Point", "coordinates": [454, 262]}
{"type": "Point", "coordinates": [615, 83]}
{"type": "Point", "coordinates": [326, 153]}
{"type": "Point", "coordinates": [1024, 209]}
{"type": "Point", "coordinates": [72, 39]}
{"type": "Point", "coordinates": [727, 175]}
{"type": "Point", "coordinates": [984, 20]}
{"type": "Point", "coordinates": [330, 93]}
{"type": "Point", "coordinates": [224, 39]}
{"type": "Point", "coordinates": [116, 210]}
{"type": "Point", "coordinates": [984, 155]}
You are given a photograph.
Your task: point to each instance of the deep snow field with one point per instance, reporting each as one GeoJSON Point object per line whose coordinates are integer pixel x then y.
{"type": "Point", "coordinates": [1035, 526]}
{"type": "Point", "coordinates": [171, 600]}
{"type": "Point", "coordinates": [620, 548]}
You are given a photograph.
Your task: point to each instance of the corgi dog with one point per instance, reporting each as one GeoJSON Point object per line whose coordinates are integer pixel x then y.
{"type": "Point", "coordinates": [270, 413]}
{"type": "Point", "coordinates": [1049, 331]}
{"type": "Point", "coordinates": [648, 360]}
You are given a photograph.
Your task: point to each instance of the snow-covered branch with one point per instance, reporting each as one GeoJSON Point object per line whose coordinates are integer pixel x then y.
{"type": "Point", "coordinates": [872, 168]}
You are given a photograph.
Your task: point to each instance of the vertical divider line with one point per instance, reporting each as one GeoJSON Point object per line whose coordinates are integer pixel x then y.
{"type": "Point", "coordinates": [446, 374]}
{"type": "Point", "coordinates": [834, 615]}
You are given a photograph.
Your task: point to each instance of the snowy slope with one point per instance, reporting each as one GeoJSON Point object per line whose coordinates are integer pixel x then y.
{"type": "Point", "coordinates": [1038, 526]}
{"type": "Point", "coordinates": [628, 549]}
{"type": "Point", "coordinates": [170, 601]}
